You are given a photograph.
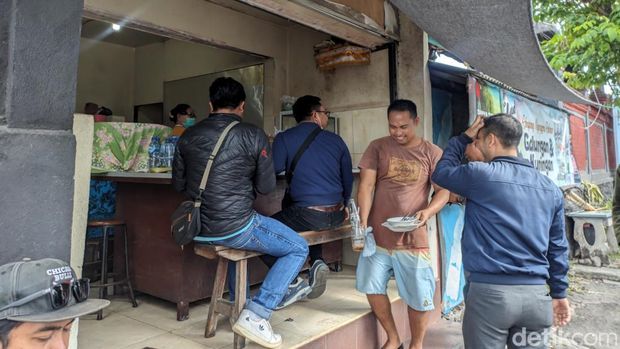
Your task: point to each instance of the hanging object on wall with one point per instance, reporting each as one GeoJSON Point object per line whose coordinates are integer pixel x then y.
{"type": "Point", "coordinates": [329, 55]}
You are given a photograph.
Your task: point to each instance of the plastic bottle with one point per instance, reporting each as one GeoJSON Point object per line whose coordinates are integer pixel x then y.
{"type": "Point", "coordinates": [154, 148]}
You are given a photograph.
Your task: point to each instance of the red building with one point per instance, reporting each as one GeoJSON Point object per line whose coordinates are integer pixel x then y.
{"type": "Point", "coordinates": [592, 140]}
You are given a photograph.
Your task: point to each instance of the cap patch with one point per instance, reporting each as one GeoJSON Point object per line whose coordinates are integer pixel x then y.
{"type": "Point", "coordinates": [60, 274]}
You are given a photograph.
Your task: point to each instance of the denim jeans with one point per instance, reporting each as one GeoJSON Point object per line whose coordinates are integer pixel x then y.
{"type": "Point", "coordinates": [267, 235]}
{"type": "Point", "coordinates": [302, 219]}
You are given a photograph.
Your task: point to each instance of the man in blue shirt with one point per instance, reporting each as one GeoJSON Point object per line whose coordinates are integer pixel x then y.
{"type": "Point", "coordinates": [515, 251]}
{"type": "Point", "coordinates": [319, 189]}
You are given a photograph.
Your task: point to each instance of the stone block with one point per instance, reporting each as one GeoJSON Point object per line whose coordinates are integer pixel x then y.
{"type": "Point", "coordinates": [36, 193]}
{"type": "Point", "coordinates": [42, 62]}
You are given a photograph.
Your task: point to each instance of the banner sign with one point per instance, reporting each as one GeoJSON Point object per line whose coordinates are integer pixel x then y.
{"type": "Point", "coordinates": [546, 132]}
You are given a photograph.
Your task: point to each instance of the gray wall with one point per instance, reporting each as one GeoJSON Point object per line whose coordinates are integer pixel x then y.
{"type": "Point", "coordinates": [39, 45]}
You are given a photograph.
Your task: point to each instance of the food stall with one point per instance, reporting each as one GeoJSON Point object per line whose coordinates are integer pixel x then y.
{"type": "Point", "coordinates": [145, 201]}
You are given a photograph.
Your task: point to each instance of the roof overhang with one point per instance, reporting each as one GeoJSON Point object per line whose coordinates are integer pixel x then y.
{"type": "Point", "coordinates": [331, 20]}
{"type": "Point", "coordinates": [496, 37]}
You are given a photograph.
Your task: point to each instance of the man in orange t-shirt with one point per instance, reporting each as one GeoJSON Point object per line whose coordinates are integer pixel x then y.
{"type": "Point", "coordinates": [398, 169]}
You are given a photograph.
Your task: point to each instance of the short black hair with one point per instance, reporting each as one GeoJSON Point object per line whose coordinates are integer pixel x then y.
{"type": "Point", "coordinates": [304, 106]}
{"type": "Point", "coordinates": [505, 127]}
{"type": "Point", "coordinates": [6, 326]}
{"type": "Point", "coordinates": [104, 111]}
{"type": "Point", "coordinates": [404, 105]}
{"type": "Point", "coordinates": [179, 109]}
{"type": "Point", "coordinates": [226, 93]}
{"type": "Point", "coordinates": [91, 108]}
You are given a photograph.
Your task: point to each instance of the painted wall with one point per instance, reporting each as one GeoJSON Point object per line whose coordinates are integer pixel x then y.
{"type": "Point", "coordinates": [578, 142]}
{"type": "Point", "coordinates": [358, 95]}
{"type": "Point", "coordinates": [106, 76]}
{"type": "Point", "coordinates": [611, 150]}
{"type": "Point", "coordinates": [594, 147]}
{"type": "Point", "coordinates": [149, 74]}
{"type": "Point", "coordinates": [83, 126]}
{"type": "Point", "coordinates": [173, 60]}
{"type": "Point", "coordinates": [413, 77]}
{"type": "Point", "coordinates": [205, 21]}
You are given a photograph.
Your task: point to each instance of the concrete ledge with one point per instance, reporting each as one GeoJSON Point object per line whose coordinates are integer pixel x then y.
{"type": "Point", "coordinates": [596, 273]}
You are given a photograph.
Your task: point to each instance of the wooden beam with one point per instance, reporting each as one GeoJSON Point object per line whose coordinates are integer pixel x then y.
{"type": "Point", "coordinates": [352, 31]}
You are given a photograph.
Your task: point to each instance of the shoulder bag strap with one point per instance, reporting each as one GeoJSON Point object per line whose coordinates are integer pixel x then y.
{"type": "Point", "coordinates": [205, 175]}
{"type": "Point", "coordinates": [300, 151]}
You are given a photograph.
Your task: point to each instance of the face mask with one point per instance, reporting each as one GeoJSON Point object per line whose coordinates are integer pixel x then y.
{"type": "Point", "coordinates": [189, 122]}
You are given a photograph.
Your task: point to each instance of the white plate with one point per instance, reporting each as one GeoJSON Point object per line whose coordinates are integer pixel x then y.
{"type": "Point", "coordinates": [398, 222]}
{"type": "Point", "coordinates": [401, 229]}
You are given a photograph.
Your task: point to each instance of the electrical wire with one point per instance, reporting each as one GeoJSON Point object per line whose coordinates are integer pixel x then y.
{"type": "Point", "coordinates": [587, 127]}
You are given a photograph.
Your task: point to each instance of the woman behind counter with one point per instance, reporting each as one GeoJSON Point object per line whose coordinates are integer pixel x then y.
{"type": "Point", "coordinates": [183, 117]}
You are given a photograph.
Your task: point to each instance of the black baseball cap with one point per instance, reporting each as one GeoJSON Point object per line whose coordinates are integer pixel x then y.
{"type": "Point", "coordinates": [29, 278]}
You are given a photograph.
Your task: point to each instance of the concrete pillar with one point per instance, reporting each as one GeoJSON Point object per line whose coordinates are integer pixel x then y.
{"type": "Point", "coordinates": [413, 77]}
{"type": "Point", "coordinates": [39, 45]}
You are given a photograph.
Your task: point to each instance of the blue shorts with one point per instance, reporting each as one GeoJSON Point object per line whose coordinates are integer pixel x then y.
{"type": "Point", "coordinates": [412, 270]}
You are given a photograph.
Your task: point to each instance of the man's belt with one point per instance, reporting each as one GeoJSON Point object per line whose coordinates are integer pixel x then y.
{"type": "Point", "coordinates": [331, 208]}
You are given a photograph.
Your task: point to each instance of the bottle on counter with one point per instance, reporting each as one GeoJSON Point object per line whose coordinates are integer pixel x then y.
{"type": "Point", "coordinates": [154, 148]}
{"type": "Point", "coordinates": [167, 150]}
{"type": "Point", "coordinates": [172, 139]}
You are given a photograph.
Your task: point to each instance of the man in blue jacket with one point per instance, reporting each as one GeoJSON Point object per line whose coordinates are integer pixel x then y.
{"type": "Point", "coordinates": [515, 251]}
{"type": "Point", "coordinates": [319, 189]}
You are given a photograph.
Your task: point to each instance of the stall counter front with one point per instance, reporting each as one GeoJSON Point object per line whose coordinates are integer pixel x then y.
{"type": "Point", "coordinates": [159, 267]}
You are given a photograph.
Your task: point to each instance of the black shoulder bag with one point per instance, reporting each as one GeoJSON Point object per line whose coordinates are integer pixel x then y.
{"type": "Point", "coordinates": [186, 218]}
{"type": "Point", "coordinates": [287, 200]}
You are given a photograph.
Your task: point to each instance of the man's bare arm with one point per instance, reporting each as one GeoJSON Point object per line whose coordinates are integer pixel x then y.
{"type": "Point", "coordinates": [368, 179]}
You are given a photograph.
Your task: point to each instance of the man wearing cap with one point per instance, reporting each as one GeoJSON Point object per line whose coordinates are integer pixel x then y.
{"type": "Point", "coordinates": [39, 300]}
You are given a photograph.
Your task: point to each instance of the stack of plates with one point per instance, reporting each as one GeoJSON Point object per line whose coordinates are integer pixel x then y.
{"type": "Point", "coordinates": [400, 225]}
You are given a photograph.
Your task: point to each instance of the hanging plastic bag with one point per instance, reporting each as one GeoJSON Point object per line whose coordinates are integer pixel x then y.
{"type": "Point", "coordinates": [370, 247]}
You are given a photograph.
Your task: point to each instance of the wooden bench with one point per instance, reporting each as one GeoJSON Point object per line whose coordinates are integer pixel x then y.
{"type": "Point", "coordinates": [240, 258]}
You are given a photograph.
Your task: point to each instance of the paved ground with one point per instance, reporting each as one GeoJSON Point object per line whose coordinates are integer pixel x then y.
{"type": "Point", "coordinates": [595, 298]}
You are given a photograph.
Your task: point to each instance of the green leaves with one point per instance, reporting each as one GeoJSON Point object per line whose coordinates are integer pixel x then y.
{"type": "Point", "coordinates": [587, 49]}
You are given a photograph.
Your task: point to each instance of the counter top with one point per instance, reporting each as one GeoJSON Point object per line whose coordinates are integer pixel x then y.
{"type": "Point", "coordinates": [135, 177]}
{"type": "Point", "coordinates": [148, 177]}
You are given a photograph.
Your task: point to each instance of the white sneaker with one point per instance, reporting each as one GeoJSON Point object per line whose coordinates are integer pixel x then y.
{"type": "Point", "coordinates": [256, 329]}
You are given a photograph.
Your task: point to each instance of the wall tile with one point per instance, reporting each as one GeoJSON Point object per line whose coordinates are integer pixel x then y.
{"type": "Point", "coordinates": [343, 337]}
{"type": "Point", "coordinates": [317, 344]}
{"type": "Point", "coordinates": [368, 333]}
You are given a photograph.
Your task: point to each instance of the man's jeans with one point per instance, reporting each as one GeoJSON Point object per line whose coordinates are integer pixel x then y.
{"type": "Point", "coordinates": [267, 235]}
{"type": "Point", "coordinates": [302, 219]}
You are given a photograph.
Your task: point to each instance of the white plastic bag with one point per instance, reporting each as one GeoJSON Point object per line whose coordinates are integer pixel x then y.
{"type": "Point", "coordinates": [370, 247]}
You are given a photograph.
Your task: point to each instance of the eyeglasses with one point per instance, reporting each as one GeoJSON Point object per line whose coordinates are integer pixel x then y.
{"type": "Point", "coordinates": [59, 294]}
{"type": "Point", "coordinates": [326, 112]}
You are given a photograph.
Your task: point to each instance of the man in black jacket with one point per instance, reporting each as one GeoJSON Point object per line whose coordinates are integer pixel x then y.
{"type": "Point", "coordinates": [242, 168]}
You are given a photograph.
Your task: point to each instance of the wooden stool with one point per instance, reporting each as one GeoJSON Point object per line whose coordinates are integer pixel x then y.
{"type": "Point", "coordinates": [108, 225]}
{"type": "Point", "coordinates": [218, 304]}
{"type": "Point", "coordinates": [240, 258]}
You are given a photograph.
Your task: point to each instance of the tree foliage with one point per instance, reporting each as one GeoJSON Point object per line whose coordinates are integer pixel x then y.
{"type": "Point", "coordinates": [587, 48]}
